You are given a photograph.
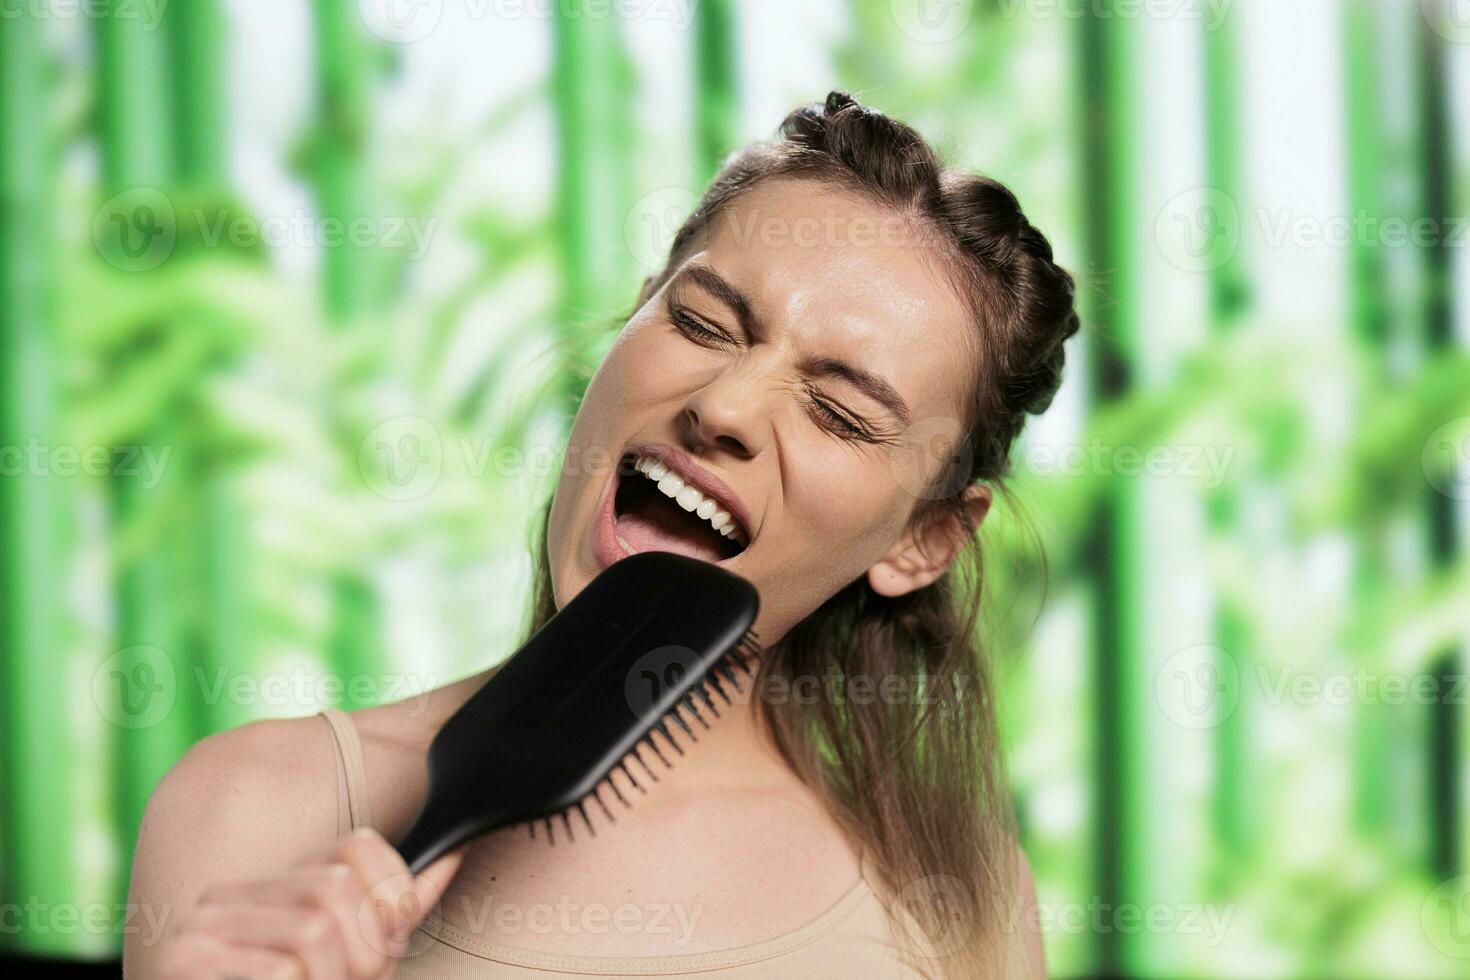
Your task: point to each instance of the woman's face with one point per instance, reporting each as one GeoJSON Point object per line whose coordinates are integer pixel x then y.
{"type": "Point", "coordinates": [810, 356]}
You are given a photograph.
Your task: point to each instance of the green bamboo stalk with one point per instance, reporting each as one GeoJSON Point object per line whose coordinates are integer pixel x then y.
{"type": "Point", "coordinates": [1446, 756]}
{"type": "Point", "coordinates": [716, 86]}
{"type": "Point", "coordinates": [221, 626]}
{"type": "Point", "coordinates": [1404, 317]}
{"type": "Point", "coordinates": [196, 31]}
{"type": "Point", "coordinates": [137, 152]}
{"type": "Point", "coordinates": [592, 92]}
{"type": "Point", "coordinates": [352, 284]}
{"type": "Point", "coordinates": [1112, 553]}
{"type": "Point", "coordinates": [1229, 305]}
{"type": "Point", "coordinates": [1368, 317]}
{"type": "Point", "coordinates": [37, 806]}
{"type": "Point", "coordinates": [343, 70]}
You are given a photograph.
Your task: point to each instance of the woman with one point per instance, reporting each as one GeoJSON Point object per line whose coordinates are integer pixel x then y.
{"type": "Point", "coordinates": [837, 356]}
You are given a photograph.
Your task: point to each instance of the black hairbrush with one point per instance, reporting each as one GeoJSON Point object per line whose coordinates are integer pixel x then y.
{"type": "Point", "coordinates": [650, 638]}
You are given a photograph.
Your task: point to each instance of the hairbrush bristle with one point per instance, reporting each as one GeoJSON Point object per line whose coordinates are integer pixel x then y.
{"type": "Point", "coordinates": [638, 754]}
{"type": "Point", "coordinates": [694, 710]}
{"type": "Point", "coordinates": [618, 793]}
{"type": "Point", "coordinates": [583, 811]}
{"type": "Point", "coordinates": [597, 795]}
{"type": "Point", "coordinates": [727, 670]}
{"type": "Point", "coordinates": [703, 691]}
{"type": "Point", "coordinates": [679, 720]}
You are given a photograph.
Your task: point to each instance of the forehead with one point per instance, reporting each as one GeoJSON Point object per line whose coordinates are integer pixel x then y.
{"type": "Point", "coordinates": [834, 274]}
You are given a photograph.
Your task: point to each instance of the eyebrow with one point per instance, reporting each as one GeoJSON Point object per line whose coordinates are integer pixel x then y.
{"type": "Point", "coordinates": [870, 384]}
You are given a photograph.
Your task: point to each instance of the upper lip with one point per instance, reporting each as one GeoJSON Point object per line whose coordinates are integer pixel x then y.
{"type": "Point", "coordinates": [700, 478]}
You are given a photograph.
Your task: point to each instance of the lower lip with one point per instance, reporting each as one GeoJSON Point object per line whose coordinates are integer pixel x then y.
{"type": "Point", "coordinates": [605, 546]}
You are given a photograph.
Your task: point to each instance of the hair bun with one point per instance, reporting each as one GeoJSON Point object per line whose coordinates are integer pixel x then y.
{"type": "Point", "coordinates": [837, 100]}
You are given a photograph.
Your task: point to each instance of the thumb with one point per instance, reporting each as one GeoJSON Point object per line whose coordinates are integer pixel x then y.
{"type": "Point", "coordinates": [431, 883]}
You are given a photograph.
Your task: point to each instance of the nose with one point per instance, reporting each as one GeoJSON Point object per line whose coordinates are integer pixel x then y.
{"type": "Point", "coordinates": [728, 413]}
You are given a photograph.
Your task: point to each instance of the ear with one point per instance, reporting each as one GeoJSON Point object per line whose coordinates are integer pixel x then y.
{"type": "Point", "coordinates": [920, 556]}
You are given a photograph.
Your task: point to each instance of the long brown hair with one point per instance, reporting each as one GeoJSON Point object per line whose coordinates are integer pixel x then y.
{"type": "Point", "coordinates": [920, 783]}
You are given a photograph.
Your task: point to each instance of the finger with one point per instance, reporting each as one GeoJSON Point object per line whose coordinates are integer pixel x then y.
{"type": "Point", "coordinates": [196, 956]}
{"type": "Point", "coordinates": [310, 935]}
{"type": "Point", "coordinates": [333, 888]}
{"type": "Point", "coordinates": [434, 880]}
{"type": "Point", "coordinates": [390, 885]}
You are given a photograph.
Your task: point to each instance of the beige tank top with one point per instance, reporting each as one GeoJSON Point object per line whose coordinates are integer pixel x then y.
{"type": "Point", "coordinates": [851, 939]}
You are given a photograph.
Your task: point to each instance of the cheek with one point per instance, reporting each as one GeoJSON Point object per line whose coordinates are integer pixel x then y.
{"type": "Point", "coordinates": [846, 504]}
{"type": "Point", "coordinates": [651, 363]}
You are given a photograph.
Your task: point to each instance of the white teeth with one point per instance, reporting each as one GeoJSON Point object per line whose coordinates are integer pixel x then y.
{"type": "Point", "coordinates": [689, 497]}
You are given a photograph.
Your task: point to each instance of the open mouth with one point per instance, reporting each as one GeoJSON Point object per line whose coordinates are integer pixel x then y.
{"type": "Point", "coordinates": [654, 509]}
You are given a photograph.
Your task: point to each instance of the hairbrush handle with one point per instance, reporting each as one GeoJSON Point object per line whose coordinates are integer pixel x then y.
{"type": "Point", "coordinates": [438, 830]}
{"type": "Point", "coordinates": [627, 657]}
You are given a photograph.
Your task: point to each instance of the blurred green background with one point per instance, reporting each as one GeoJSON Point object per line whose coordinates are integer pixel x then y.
{"type": "Point", "coordinates": [297, 299]}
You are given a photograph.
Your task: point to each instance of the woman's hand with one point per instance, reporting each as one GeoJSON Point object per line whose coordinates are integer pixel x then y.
{"type": "Point", "coordinates": [347, 913]}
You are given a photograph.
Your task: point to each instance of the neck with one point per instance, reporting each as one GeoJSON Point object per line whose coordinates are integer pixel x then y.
{"type": "Point", "coordinates": [736, 750]}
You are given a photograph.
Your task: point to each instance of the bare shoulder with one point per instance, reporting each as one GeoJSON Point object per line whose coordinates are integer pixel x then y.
{"type": "Point", "coordinates": [240, 803]}
{"type": "Point", "coordinates": [249, 799]}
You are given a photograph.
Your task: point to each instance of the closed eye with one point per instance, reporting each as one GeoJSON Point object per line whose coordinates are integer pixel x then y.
{"type": "Point", "coordinates": [837, 419]}
{"type": "Point", "coordinates": [693, 327]}
{"type": "Point", "coordinates": [829, 416]}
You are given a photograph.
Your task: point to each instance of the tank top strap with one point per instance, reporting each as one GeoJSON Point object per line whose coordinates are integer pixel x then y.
{"type": "Point", "coordinates": [353, 807]}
